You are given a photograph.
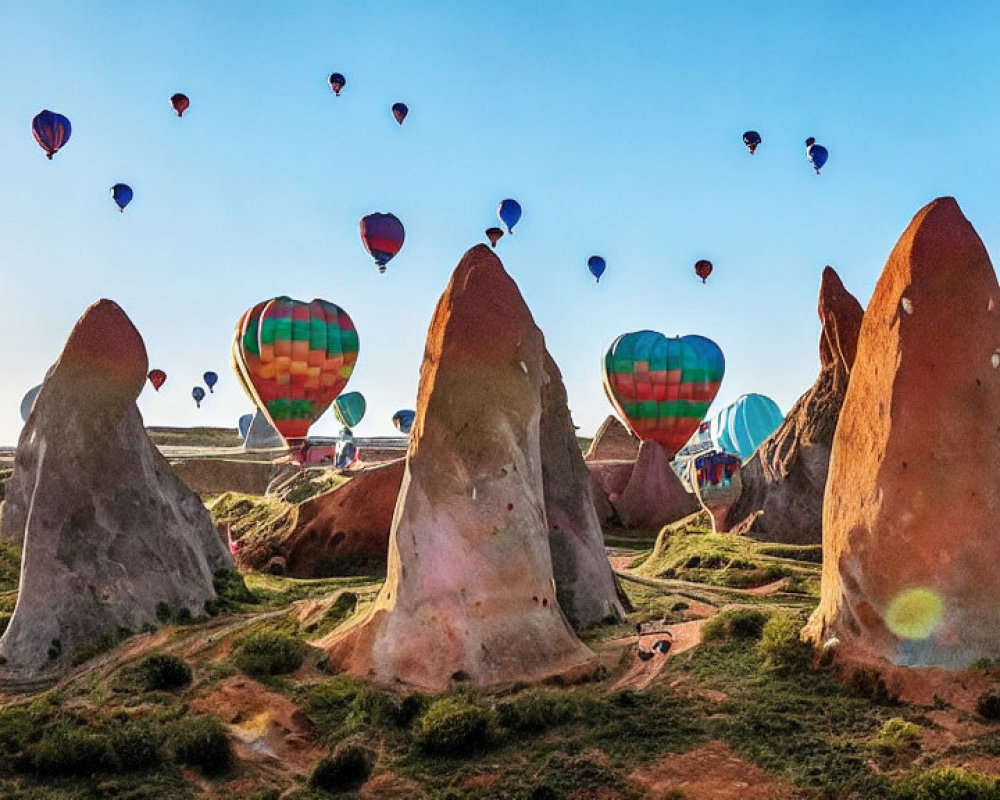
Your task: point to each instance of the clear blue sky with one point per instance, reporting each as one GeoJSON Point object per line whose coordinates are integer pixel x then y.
{"type": "Point", "coordinates": [616, 125]}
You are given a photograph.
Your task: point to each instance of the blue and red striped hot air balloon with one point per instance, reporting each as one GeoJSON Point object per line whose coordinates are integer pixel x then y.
{"type": "Point", "coordinates": [383, 237]}
{"type": "Point", "coordinates": [51, 131]}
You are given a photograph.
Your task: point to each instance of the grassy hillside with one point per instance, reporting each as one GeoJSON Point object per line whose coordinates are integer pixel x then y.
{"type": "Point", "coordinates": [195, 437]}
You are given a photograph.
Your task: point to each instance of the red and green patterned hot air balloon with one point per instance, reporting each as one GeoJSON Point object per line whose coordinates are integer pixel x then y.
{"type": "Point", "coordinates": [662, 387]}
{"type": "Point", "coordinates": [293, 359]}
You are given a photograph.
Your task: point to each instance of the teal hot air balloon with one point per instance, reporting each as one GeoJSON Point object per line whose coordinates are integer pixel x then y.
{"type": "Point", "coordinates": [741, 427]}
{"type": "Point", "coordinates": [350, 408]}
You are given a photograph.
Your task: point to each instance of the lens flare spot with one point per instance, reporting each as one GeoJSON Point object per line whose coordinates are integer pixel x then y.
{"type": "Point", "coordinates": [914, 614]}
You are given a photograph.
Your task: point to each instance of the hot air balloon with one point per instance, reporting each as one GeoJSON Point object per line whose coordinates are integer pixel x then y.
{"type": "Point", "coordinates": [337, 82]}
{"type": "Point", "coordinates": [180, 103]}
{"type": "Point", "coordinates": [752, 140]}
{"type": "Point", "coordinates": [662, 387]}
{"type": "Point", "coordinates": [347, 454]}
{"type": "Point", "coordinates": [816, 153]}
{"type": "Point", "coordinates": [243, 425]}
{"type": "Point", "coordinates": [51, 131]}
{"type": "Point", "coordinates": [122, 194]}
{"type": "Point", "coordinates": [494, 235]}
{"type": "Point", "coordinates": [596, 265]}
{"type": "Point", "coordinates": [350, 408]}
{"type": "Point", "coordinates": [703, 268]}
{"type": "Point", "coordinates": [403, 420]}
{"type": "Point", "coordinates": [28, 402]}
{"type": "Point", "coordinates": [399, 111]}
{"type": "Point", "coordinates": [509, 212]}
{"type": "Point", "coordinates": [293, 359]}
{"type": "Point", "coordinates": [740, 428]}
{"type": "Point", "coordinates": [210, 379]}
{"type": "Point", "coordinates": [383, 236]}
{"type": "Point", "coordinates": [198, 394]}
{"type": "Point", "coordinates": [157, 378]}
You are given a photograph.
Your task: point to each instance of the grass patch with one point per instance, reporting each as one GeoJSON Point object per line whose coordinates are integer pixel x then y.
{"type": "Point", "coordinates": [454, 727]}
{"type": "Point", "coordinates": [265, 653]}
{"type": "Point", "coordinates": [202, 742]}
{"type": "Point", "coordinates": [346, 768]}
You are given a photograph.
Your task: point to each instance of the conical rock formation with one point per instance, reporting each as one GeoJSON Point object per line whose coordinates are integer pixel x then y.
{"type": "Point", "coordinates": [911, 518]}
{"type": "Point", "coordinates": [470, 594]}
{"type": "Point", "coordinates": [613, 442]}
{"type": "Point", "coordinates": [110, 536]}
{"type": "Point", "coordinates": [654, 495]}
{"type": "Point", "coordinates": [784, 481]}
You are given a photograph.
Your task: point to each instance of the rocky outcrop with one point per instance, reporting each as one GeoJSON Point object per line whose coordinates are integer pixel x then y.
{"type": "Point", "coordinates": [111, 537]}
{"type": "Point", "coordinates": [654, 495]}
{"type": "Point", "coordinates": [911, 521]}
{"type": "Point", "coordinates": [784, 481]}
{"type": "Point", "coordinates": [470, 594]}
{"type": "Point", "coordinates": [613, 442]}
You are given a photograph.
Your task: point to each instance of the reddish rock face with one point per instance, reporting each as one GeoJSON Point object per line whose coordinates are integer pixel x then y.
{"type": "Point", "coordinates": [110, 535]}
{"type": "Point", "coordinates": [654, 495]}
{"type": "Point", "coordinates": [470, 593]}
{"type": "Point", "coordinates": [784, 481]}
{"type": "Point", "coordinates": [911, 519]}
{"type": "Point", "coordinates": [613, 442]}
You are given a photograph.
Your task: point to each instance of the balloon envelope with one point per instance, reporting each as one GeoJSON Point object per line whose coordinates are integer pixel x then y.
{"type": "Point", "coordinates": [210, 380]}
{"type": "Point", "coordinates": [51, 131]}
{"type": "Point", "coordinates": [740, 428]}
{"type": "Point", "coordinates": [751, 139]}
{"type": "Point", "coordinates": [337, 82]}
{"type": "Point", "coordinates": [494, 235]}
{"type": "Point", "coordinates": [350, 408]}
{"type": "Point", "coordinates": [28, 402]}
{"type": "Point", "coordinates": [198, 394]}
{"type": "Point", "coordinates": [703, 269]}
{"type": "Point", "coordinates": [596, 265]}
{"type": "Point", "coordinates": [157, 377]}
{"type": "Point", "coordinates": [399, 111]}
{"type": "Point", "coordinates": [180, 102]}
{"type": "Point", "coordinates": [403, 420]}
{"type": "Point", "coordinates": [293, 359]}
{"type": "Point", "coordinates": [509, 212]}
{"type": "Point", "coordinates": [122, 194]}
{"type": "Point", "coordinates": [243, 426]}
{"type": "Point", "coordinates": [383, 236]}
{"type": "Point", "coordinates": [662, 387]}
{"type": "Point", "coordinates": [817, 156]}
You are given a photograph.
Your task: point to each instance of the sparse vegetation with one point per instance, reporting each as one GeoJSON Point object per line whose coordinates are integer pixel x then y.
{"type": "Point", "coordinates": [163, 672]}
{"type": "Point", "coordinates": [736, 623]}
{"type": "Point", "coordinates": [266, 653]}
{"type": "Point", "coordinates": [202, 742]}
{"type": "Point", "coordinates": [947, 783]}
{"type": "Point", "coordinates": [454, 727]}
{"type": "Point", "coordinates": [346, 768]}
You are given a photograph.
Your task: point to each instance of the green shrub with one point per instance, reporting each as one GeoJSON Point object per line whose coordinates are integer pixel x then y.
{"type": "Point", "coordinates": [452, 726]}
{"type": "Point", "coordinates": [163, 672]}
{"type": "Point", "coordinates": [533, 712]}
{"type": "Point", "coordinates": [946, 783]}
{"type": "Point", "coordinates": [346, 768]}
{"type": "Point", "coordinates": [735, 623]}
{"type": "Point", "coordinates": [66, 749]}
{"type": "Point", "coordinates": [988, 705]}
{"type": "Point", "coordinates": [264, 653]}
{"type": "Point", "coordinates": [202, 742]}
{"type": "Point", "coordinates": [782, 646]}
{"type": "Point", "coordinates": [136, 747]}
{"type": "Point", "coordinates": [231, 592]}
{"type": "Point", "coordinates": [896, 735]}
{"type": "Point", "coordinates": [383, 708]}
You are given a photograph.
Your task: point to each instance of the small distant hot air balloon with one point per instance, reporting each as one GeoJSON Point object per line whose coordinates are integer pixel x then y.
{"type": "Point", "coordinates": [494, 234]}
{"type": "Point", "coordinates": [350, 408]}
{"type": "Point", "coordinates": [51, 131]}
{"type": "Point", "coordinates": [198, 394]}
{"type": "Point", "coordinates": [596, 265]}
{"type": "Point", "coordinates": [210, 380]}
{"type": "Point", "coordinates": [243, 425]}
{"type": "Point", "coordinates": [122, 194]}
{"type": "Point", "coordinates": [180, 102]}
{"type": "Point", "coordinates": [157, 378]}
{"type": "Point", "coordinates": [509, 212]}
{"type": "Point", "coordinates": [337, 82]}
{"type": "Point", "coordinates": [816, 153]}
{"type": "Point", "coordinates": [403, 420]}
{"type": "Point", "coordinates": [347, 454]}
{"type": "Point", "coordinates": [751, 139]}
{"type": "Point", "coordinates": [399, 111]}
{"type": "Point", "coordinates": [703, 268]}
{"type": "Point", "coordinates": [383, 236]}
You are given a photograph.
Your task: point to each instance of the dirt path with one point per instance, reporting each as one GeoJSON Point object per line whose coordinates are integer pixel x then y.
{"type": "Point", "coordinates": [641, 673]}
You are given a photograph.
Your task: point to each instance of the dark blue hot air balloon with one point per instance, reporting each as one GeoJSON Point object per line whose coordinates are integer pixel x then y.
{"type": "Point", "coordinates": [816, 153]}
{"type": "Point", "coordinates": [752, 140]}
{"type": "Point", "coordinates": [122, 193]}
{"type": "Point", "coordinates": [382, 236]}
{"type": "Point", "coordinates": [509, 212]}
{"type": "Point", "coordinates": [596, 265]}
{"type": "Point", "coordinates": [210, 380]}
{"type": "Point", "coordinates": [198, 394]}
{"type": "Point", "coordinates": [51, 131]}
{"type": "Point", "coordinates": [399, 111]}
{"type": "Point", "coordinates": [403, 420]}
{"type": "Point", "coordinates": [244, 425]}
